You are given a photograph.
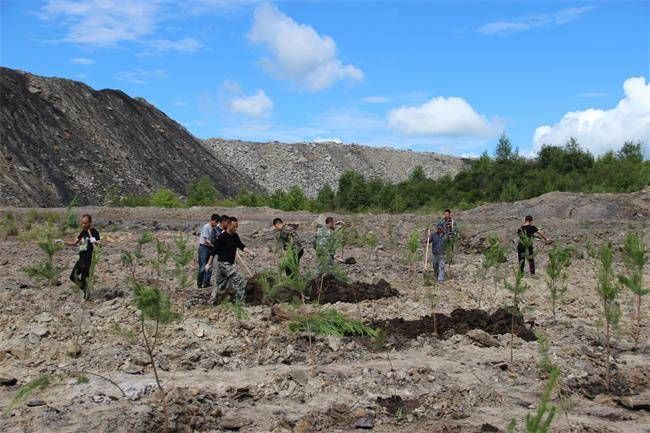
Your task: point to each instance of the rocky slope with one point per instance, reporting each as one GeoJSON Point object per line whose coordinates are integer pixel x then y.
{"type": "Point", "coordinates": [312, 165]}
{"type": "Point", "coordinates": [59, 138]}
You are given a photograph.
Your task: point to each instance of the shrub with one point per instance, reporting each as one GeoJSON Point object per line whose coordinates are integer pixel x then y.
{"type": "Point", "coordinates": [201, 193]}
{"type": "Point", "coordinates": [166, 198]}
{"type": "Point", "coordinates": [182, 256]}
{"type": "Point", "coordinates": [9, 226]}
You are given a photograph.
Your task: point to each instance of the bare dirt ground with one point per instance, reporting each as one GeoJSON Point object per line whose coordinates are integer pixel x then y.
{"type": "Point", "coordinates": [255, 375]}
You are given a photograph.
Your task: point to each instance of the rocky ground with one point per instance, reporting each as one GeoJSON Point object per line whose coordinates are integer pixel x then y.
{"type": "Point", "coordinates": [252, 374]}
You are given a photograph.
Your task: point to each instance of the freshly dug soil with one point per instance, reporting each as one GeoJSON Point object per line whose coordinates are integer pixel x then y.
{"type": "Point", "coordinates": [396, 404]}
{"type": "Point", "coordinates": [460, 322]}
{"type": "Point", "coordinates": [325, 289]}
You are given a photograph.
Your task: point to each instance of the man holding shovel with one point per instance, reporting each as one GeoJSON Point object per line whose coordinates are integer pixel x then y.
{"type": "Point", "coordinates": [226, 247]}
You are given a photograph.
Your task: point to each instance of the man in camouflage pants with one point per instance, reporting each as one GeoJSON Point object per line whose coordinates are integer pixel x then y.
{"type": "Point", "coordinates": [226, 247]}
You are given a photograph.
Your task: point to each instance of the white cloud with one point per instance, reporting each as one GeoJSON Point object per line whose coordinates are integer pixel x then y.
{"type": "Point", "coordinates": [82, 61]}
{"type": "Point", "coordinates": [602, 130]}
{"type": "Point", "coordinates": [255, 105]}
{"type": "Point", "coordinates": [110, 22]}
{"type": "Point", "coordinates": [528, 22]}
{"type": "Point", "coordinates": [297, 52]}
{"type": "Point", "coordinates": [441, 116]}
{"type": "Point", "coordinates": [141, 76]}
{"type": "Point", "coordinates": [103, 22]}
{"type": "Point", "coordinates": [376, 99]}
{"type": "Point", "coordinates": [592, 95]}
{"type": "Point", "coordinates": [185, 45]}
{"type": "Point", "coordinates": [179, 103]}
{"type": "Point", "coordinates": [327, 140]}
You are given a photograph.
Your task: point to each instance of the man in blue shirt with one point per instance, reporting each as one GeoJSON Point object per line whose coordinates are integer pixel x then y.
{"type": "Point", "coordinates": [437, 241]}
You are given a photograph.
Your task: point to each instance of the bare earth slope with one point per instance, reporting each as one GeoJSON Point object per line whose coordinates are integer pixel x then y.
{"type": "Point", "coordinates": [253, 374]}
{"type": "Point", "coordinates": [60, 137]}
{"type": "Point", "coordinates": [312, 165]}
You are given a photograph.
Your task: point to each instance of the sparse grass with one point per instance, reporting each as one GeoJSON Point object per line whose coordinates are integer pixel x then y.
{"type": "Point", "coordinates": [22, 393]}
{"type": "Point", "coordinates": [9, 226]}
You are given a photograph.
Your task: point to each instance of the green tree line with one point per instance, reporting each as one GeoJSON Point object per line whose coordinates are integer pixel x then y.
{"type": "Point", "coordinates": [504, 177]}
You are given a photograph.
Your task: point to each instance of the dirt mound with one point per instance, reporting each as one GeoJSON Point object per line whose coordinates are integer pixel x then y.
{"type": "Point", "coordinates": [325, 289]}
{"type": "Point", "coordinates": [460, 322]}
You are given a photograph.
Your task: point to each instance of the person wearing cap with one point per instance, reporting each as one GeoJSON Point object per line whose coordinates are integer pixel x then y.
{"type": "Point", "coordinates": [437, 241]}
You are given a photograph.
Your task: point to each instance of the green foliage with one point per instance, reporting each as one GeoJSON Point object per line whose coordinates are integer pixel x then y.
{"type": "Point", "coordinates": [608, 291]}
{"type": "Point", "coordinates": [46, 270]}
{"type": "Point", "coordinates": [545, 364]}
{"type": "Point", "coordinates": [201, 193]}
{"type": "Point", "coordinates": [166, 198]}
{"type": "Point", "coordinates": [22, 393]}
{"type": "Point", "coordinates": [494, 254]}
{"type": "Point", "coordinates": [540, 421]}
{"type": "Point", "coordinates": [518, 287]}
{"type": "Point", "coordinates": [82, 380]}
{"type": "Point", "coordinates": [607, 287]}
{"type": "Point", "coordinates": [71, 220]}
{"type": "Point", "coordinates": [412, 247]}
{"type": "Point", "coordinates": [153, 303]}
{"type": "Point", "coordinates": [451, 246]}
{"type": "Point", "coordinates": [331, 322]}
{"type": "Point", "coordinates": [559, 260]}
{"type": "Point", "coordinates": [325, 199]}
{"type": "Point", "coordinates": [635, 257]}
{"type": "Point", "coordinates": [507, 177]}
{"type": "Point", "coordinates": [9, 226]}
{"type": "Point", "coordinates": [144, 239]}
{"type": "Point", "coordinates": [182, 256]}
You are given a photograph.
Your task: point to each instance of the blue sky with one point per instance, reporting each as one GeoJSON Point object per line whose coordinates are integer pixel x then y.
{"type": "Point", "coordinates": [434, 76]}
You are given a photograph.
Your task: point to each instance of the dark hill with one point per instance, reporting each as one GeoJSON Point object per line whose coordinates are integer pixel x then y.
{"type": "Point", "coordinates": [60, 138]}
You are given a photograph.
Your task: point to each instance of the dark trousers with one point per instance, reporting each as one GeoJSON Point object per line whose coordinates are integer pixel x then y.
{"type": "Point", "coordinates": [524, 253]}
{"type": "Point", "coordinates": [80, 273]}
{"type": "Point", "coordinates": [287, 270]}
{"type": "Point", "coordinates": [203, 278]}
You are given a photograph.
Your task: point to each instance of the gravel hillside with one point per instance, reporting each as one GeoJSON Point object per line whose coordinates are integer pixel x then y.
{"type": "Point", "coordinates": [312, 165]}
{"type": "Point", "coordinates": [60, 138]}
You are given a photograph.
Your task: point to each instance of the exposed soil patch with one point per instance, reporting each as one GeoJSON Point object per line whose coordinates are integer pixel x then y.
{"type": "Point", "coordinates": [325, 289]}
{"type": "Point", "coordinates": [396, 405]}
{"type": "Point", "coordinates": [187, 413]}
{"type": "Point", "coordinates": [624, 382]}
{"type": "Point", "coordinates": [460, 322]}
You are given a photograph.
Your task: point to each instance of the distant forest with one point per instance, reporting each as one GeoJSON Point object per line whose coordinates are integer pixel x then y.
{"type": "Point", "coordinates": [504, 177]}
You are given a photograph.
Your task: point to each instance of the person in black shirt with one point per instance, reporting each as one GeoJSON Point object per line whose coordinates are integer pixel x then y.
{"type": "Point", "coordinates": [87, 239]}
{"type": "Point", "coordinates": [226, 247]}
{"type": "Point", "coordinates": [527, 234]}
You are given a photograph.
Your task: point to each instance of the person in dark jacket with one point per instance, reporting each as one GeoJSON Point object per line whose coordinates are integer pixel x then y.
{"type": "Point", "coordinates": [527, 234]}
{"type": "Point", "coordinates": [86, 241]}
{"type": "Point", "coordinates": [226, 248]}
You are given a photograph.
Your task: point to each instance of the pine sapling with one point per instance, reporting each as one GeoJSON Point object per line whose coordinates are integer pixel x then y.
{"type": "Point", "coordinates": [517, 288]}
{"type": "Point", "coordinates": [162, 256]}
{"type": "Point", "coordinates": [46, 271]}
{"type": "Point", "coordinates": [451, 246]}
{"type": "Point", "coordinates": [493, 256]}
{"type": "Point", "coordinates": [608, 291]}
{"type": "Point", "coordinates": [540, 421]}
{"type": "Point", "coordinates": [635, 257]}
{"type": "Point", "coordinates": [182, 256]}
{"type": "Point", "coordinates": [154, 306]}
{"type": "Point", "coordinates": [559, 260]}
{"type": "Point", "coordinates": [432, 298]}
